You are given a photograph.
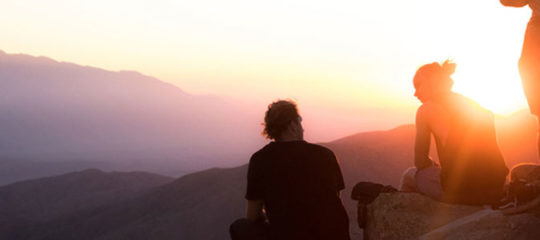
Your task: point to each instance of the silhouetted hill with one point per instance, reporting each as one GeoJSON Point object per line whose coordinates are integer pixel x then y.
{"type": "Point", "coordinates": [203, 204]}
{"type": "Point", "coordinates": [379, 156]}
{"type": "Point", "coordinates": [14, 170]}
{"type": "Point", "coordinates": [56, 112]}
{"type": "Point", "coordinates": [36, 201]}
{"type": "Point", "coordinates": [196, 206]}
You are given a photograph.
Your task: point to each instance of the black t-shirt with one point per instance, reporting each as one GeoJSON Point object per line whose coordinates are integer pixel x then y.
{"type": "Point", "coordinates": [299, 183]}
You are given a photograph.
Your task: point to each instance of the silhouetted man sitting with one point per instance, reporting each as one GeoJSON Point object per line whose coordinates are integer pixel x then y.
{"type": "Point", "coordinates": [296, 183]}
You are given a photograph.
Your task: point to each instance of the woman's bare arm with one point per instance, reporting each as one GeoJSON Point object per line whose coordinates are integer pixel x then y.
{"type": "Point", "coordinates": [422, 140]}
{"type": "Point", "coordinates": [514, 3]}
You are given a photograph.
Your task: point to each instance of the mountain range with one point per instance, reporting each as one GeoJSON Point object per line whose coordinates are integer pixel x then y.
{"type": "Point", "coordinates": [203, 204]}
{"type": "Point", "coordinates": [57, 117]}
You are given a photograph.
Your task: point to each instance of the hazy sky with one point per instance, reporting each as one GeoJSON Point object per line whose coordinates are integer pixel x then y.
{"type": "Point", "coordinates": [348, 59]}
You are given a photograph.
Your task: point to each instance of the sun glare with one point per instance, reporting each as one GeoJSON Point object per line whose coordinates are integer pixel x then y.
{"type": "Point", "coordinates": [495, 88]}
{"type": "Point", "coordinates": [487, 59]}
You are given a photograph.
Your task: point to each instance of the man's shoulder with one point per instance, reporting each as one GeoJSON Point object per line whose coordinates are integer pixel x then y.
{"type": "Point", "coordinates": [319, 149]}
{"type": "Point", "coordinates": [302, 146]}
{"type": "Point", "coordinates": [261, 152]}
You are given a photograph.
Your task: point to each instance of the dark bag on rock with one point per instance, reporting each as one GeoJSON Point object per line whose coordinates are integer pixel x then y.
{"type": "Point", "coordinates": [365, 193]}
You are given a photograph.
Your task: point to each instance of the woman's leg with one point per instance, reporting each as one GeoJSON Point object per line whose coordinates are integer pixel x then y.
{"type": "Point", "coordinates": [428, 181]}
{"type": "Point", "coordinates": [408, 180]}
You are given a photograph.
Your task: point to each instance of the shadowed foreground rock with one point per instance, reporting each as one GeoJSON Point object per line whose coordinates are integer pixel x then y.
{"type": "Point", "coordinates": [413, 216]}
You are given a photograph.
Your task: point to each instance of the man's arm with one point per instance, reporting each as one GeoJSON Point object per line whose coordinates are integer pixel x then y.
{"type": "Point", "coordinates": [422, 140]}
{"type": "Point", "coordinates": [254, 210]}
{"type": "Point", "coordinates": [338, 176]}
{"type": "Point", "coordinates": [514, 3]}
{"type": "Point", "coordinates": [255, 189]}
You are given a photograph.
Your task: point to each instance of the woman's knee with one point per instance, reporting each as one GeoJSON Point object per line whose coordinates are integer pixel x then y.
{"type": "Point", "coordinates": [408, 180]}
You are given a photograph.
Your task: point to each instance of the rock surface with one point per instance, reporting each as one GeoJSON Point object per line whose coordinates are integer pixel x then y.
{"type": "Point", "coordinates": [413, 216]}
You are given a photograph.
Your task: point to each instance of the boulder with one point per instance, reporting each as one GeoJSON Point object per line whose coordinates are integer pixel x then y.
{"type": "Point", "coordinates": [413, 216]}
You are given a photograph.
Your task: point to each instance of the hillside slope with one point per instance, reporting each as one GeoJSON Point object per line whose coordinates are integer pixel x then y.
{"type": "Point", "coordinates": [41, 200]}
{"type": "Point", "coordinates": [203, 204]}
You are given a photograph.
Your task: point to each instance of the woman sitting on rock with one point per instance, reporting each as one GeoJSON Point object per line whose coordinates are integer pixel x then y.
{"type": "Point", "coordinates": [471, 169]}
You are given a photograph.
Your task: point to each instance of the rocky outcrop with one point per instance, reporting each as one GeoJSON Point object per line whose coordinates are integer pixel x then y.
{"type": "Point", "coordinates": [413, 216]}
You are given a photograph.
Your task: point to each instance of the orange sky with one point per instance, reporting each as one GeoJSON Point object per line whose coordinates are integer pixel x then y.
{"type": "Point", "coordinates": [345, 61]}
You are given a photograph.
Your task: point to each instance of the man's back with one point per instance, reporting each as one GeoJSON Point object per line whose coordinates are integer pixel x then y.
{"type": "Point", "coordinates": [299, 183]}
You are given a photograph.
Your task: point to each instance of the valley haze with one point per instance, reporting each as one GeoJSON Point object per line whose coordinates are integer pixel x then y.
{"type": "Point", "coordinates": [57, 117]}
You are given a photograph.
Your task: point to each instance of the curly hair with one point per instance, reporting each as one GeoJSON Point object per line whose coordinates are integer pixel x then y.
{"type": "Point", "coordinates": [278, 117]}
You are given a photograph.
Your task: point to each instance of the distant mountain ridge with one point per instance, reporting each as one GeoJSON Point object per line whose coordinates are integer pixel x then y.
{"type": "Point", "coordinates": [56, 111]}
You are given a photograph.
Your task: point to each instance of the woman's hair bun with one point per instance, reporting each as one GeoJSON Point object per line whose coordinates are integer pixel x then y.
{"type": "Point", "coordinates": [436, 73]}
{"type": "Point", "coordinates": [448, 68]}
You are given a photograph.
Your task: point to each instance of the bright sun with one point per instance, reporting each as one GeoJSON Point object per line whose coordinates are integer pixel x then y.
{"type": "Point", "coordinates": [486, 51]}
{"type": "Point", "coordinates": [497, 88]}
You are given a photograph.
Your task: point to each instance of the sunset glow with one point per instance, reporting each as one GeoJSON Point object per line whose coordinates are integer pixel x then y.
{"type": "Point", "coordinates": [496, 94]}
{"type": "Point", "coordinates": [330, 56]}
{"type": "Point", "coordinates": [499, 91]}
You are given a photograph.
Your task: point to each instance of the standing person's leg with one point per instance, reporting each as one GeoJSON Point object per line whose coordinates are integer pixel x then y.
{"type": "Point", "coordinates": [538, 136]}
{"type": "Point", "coordinates": [529, 69]}
{"type": "Point", "coordinates": [531, 87]}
